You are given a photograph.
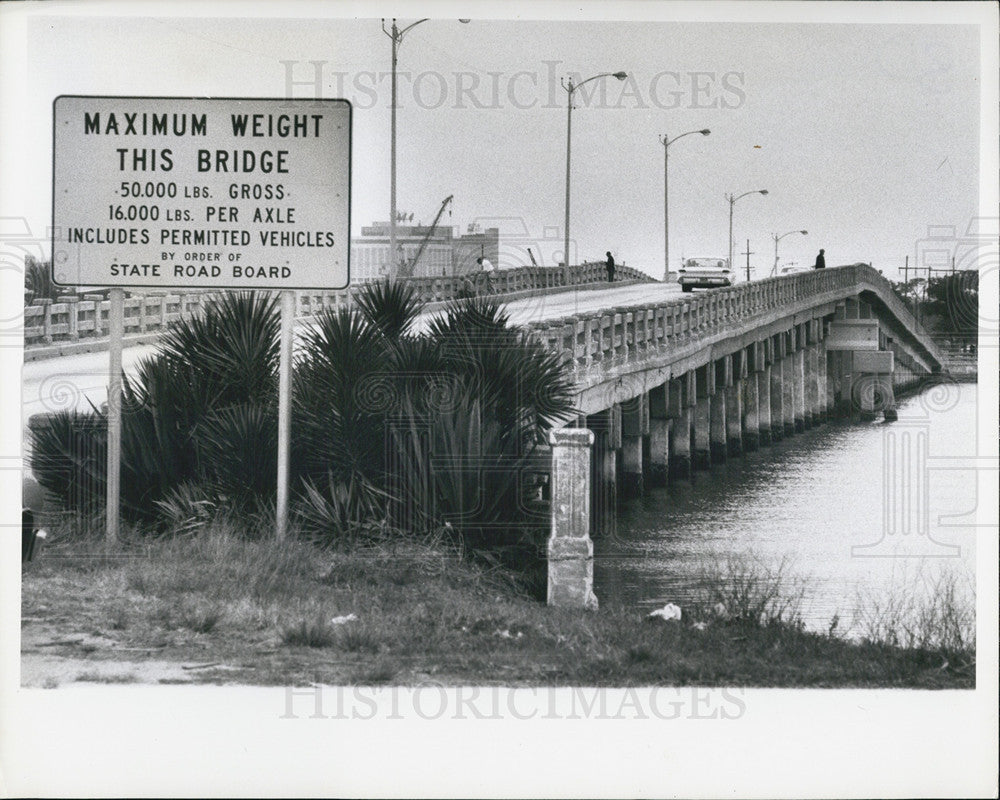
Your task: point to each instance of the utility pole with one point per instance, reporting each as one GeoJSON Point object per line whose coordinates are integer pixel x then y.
{"type": "Point", "coordinates": [748, 253]}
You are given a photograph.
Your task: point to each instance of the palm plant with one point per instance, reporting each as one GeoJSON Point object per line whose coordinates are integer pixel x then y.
{"type": "Point", "coordinates": [200, 412]}
{"type": "Point", "coordinates": [441, 423]}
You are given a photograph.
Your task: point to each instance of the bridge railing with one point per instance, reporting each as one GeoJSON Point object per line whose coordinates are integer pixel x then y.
{"type": "Point", "coordinates": [70, 318]}
{"type": "Point", "coordinates": [619, 335]}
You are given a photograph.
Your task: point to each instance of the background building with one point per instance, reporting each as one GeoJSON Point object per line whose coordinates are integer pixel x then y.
{"type": "Point", "coordinates": [444, 253]}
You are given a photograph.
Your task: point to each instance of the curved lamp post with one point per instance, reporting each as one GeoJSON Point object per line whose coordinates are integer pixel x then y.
{"type": "Point", "coordinates": [571, 87]}
{"type": "Point", "coordinates": [774, 269]}
{"type": "Point", "coordinates": [666, 230]}
{"type": "Point", "coordinates": [732, 201]}
{"type": "Point", "coordinates": [396, 34]}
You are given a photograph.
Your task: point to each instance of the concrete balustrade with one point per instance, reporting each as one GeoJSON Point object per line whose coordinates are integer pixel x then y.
{"type": "Point", "coordinates": [71, 317]}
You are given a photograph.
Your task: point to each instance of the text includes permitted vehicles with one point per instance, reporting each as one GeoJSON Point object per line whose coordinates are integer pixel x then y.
{"type": "Point", "coordinates": [704, 273]}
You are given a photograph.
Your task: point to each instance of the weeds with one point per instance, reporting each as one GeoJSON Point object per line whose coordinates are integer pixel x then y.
{"type": "Point", "coordinates": [941, 616]}
{"type": "Point", "coordinates": [308, 632]}
{"type": "Point", "coordinates": [93, 676]}
{"type": "Point", "coordinates": [745, 589]}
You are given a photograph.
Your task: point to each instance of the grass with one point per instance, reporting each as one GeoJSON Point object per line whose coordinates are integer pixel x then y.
{"type": "Point", "coordinates": [266, 611]}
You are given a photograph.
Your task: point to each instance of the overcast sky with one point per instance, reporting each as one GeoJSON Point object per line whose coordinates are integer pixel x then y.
{"type": "Point", "coordinates": [863, 134]}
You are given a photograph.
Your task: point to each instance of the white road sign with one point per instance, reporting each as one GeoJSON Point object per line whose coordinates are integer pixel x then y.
{"type": "Point", "coordinates": [201, 193]}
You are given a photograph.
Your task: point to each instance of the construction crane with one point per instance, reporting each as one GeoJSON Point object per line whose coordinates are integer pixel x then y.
{"type": "Point", "coordinates": [406, 270]}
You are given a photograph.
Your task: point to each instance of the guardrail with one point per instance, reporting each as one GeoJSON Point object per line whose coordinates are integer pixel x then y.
{"type": "Point", "coordinates": [72, 318]}
{"type": "Point", "coordinates": [617, 336]}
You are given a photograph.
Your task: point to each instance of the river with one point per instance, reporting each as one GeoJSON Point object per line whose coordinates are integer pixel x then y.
{"type": "Point", "coordinates": [857, 513]}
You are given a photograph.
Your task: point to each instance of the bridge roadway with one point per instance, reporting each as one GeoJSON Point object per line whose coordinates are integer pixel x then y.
{"type": "Point", "coordinates": [76, 381]}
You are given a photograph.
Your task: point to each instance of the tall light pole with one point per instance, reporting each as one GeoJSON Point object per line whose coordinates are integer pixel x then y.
{"type": "Point", "coordinates": [732, 201]}
{"type": "Point", "coordinates": [666, 230]}
{"type": "Point", "coordinates": [570, 87]}
{"type": "Point", "coordinates": [396, 34]}
{"type": "Point", "coordinates": [774, 269]}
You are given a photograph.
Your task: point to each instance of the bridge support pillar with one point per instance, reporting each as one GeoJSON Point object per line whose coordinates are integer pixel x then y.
{"type": "Point", "coordinates": [802, 420]}
{"type": "Point", "coordinates": [701, 451]}
{"type": "Point", "coordinates": [659, 451]}
{"type": "Point", "coordinates": [659, 437]}
{"type": "Point", "coordinates": [717, 426]}
{"type": "Point", "coordinates": [635, 425]}
{"type": "Point", "coordinates": [735, 372]}
{"type": "Point", "coordinates": [889, 412]}
{"type": "Point", "coordinates": [751, 413]}
{"type": "Point", "coordinates": [604, 473]}
{"type": "Point", "coordinates": [570, 548]}
{"type": "Point", "coordinates": [777, 396]}
{"type": "Point", "coordinates": [815, 379]}
{"type": "Point", "coordinates": [679, 461]}
{"type": "Point", "coordinates": [788, 394]}
{"type": "Point", "coordinates": [764, 405]}
{"type": "Point", "coordinates": [828, 396]}
{"type": "Point", "coordinates": [632, 482]}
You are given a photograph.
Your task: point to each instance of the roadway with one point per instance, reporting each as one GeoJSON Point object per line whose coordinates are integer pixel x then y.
{"type": "Point", "coordinates": [76, 381]}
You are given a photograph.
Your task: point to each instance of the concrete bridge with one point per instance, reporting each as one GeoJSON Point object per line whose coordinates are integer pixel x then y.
{"type": "Point", "coordinates": [665, 387]}
{"type": "Point", "coordinates": [672, 387]}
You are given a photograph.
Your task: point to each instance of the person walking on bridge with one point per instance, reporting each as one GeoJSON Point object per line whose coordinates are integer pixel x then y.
{"type": "Point", "coordinates": [610, 264]}
{"type": "Point", "coordinates": [820, 261]}
{"type": "Point", "coordinates": [487, 270]}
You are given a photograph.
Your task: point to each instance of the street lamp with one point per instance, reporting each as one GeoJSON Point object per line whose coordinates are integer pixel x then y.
{"type": "Point", "coordinates": [732, 201]}
{"type": "Point", "coordinates": [570, 87]}
{"type": "Point", "coordinates": [397, 38]}
{"type": "Point", "coordinates": [666, 237]}
{"type": "Point", "coordinates": [774, 270]}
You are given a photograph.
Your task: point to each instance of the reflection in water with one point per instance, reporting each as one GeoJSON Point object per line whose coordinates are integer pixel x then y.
{"type": "Point", "coordinates": [858, 510]}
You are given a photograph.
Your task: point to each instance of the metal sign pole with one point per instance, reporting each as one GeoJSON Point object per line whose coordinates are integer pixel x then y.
{"type": "Point", "coordinates": [116, 330]}
{"type": "Point", "coordinates": [284, 409]}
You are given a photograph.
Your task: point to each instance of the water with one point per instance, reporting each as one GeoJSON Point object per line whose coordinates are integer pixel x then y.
{"type": "Point", "coordinates": [810, 501]}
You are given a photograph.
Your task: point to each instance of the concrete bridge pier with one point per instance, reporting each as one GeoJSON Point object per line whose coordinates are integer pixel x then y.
{"type": "Point", "coordinates": [777, 392]}
{"type": "Point", "coordinates": [735, 375]}
{"type": "Point", "coordinates": [681, 417]}
{"type": "Point", "coordinates": [829, 389]}
{"type": "Point", "coordinates": [812, 387]}
{"type": "Point", "coordinates": [659, 436]}
{"type": "Point", "coordinates": [787, 386]}
{"type": "Point", "coordinates": [751, 410]}
{"type": "Point", "coordinates": [889, 413]}
{"type": "Point", "coordinates": [717, 412]}
{"type": "Point", "coordinates": [763, 367]}
{"type": "Point", "coordinates": [606, 427]}
{"type": "Point", "coordinates": [570, 548]}
{"type": "Point", "coordinates": [799, 389]}
{"type": "Point", "coordinates": [701, 452]}
{"type": "Point", "coordinates": [635, 426]}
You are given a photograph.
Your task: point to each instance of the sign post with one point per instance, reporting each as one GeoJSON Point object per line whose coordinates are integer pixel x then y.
{"type": "Point", "coordinates": [116, 331]}
{"type": "Point", "coordinates": [200, 193]}
{"type": "Point", "coordinates": [284, 411]}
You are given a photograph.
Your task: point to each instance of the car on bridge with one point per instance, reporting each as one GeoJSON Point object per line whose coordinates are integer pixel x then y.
{"type": "Point", "coordinates": [704, 273]}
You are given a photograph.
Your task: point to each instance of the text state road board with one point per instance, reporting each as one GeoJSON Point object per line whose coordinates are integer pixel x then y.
{"type": "Point", "coordinates": [201, 193]}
